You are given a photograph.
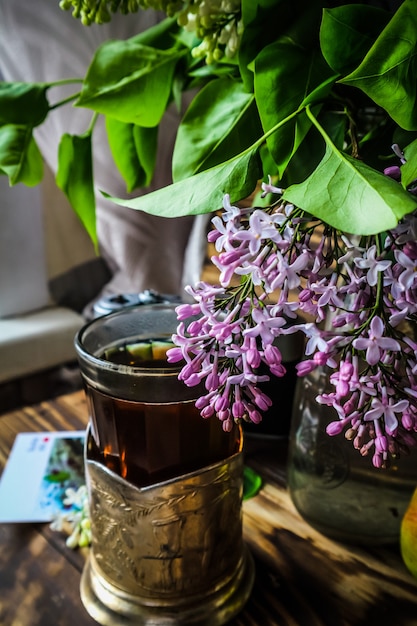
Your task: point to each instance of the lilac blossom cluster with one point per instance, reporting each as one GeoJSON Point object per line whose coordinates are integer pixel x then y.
{"type": "Point", "coordinates": [356, 298]}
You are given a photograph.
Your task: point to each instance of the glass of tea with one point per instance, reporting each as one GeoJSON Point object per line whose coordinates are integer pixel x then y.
{"type": "Point", "coordinates": [143, 422]}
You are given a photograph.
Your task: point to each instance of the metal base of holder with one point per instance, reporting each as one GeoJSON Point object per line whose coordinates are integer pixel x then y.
{"type": "Point", "coordinates": [215, 610]}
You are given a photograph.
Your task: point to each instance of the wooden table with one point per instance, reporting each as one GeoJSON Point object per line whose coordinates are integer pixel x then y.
{"type": "Point", "coordinates": [302, 578]}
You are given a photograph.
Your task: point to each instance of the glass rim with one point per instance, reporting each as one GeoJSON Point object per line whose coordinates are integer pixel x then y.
{"type": "Point", "coordinates": [120, 367]}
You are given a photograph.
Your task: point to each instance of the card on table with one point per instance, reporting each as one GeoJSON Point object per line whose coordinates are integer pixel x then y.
{"type": "Point", "coordinates": [40, 468]}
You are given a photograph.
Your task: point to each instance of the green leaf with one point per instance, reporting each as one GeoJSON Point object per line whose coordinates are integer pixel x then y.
{"type": "Point", "coordinates": [279, 65]}
{"type": "Point", "coordinates": [350, 196]}
{"type": "Point", "coordinates": [311, 151]}
{"type": "Point", "coordinates": [252, 9]}
{"type": "Point", "coordinates": [257, 33]}
{"type": "Point", "coordinates": [221, 121]}
{"type": "Point", "coordinates": [130, 82]}
{"type": "Point", "coordinates": [252, 482]}
{"type": "Point", "coordinates": [409, 169]}
{"type": "Point", "coordinates": [202, 193]}
{"type": "Point", "coordinates": [266, 20]}
{"type": "Point", "coordinates": [160, 35]}
{"type": "Point", "coordinates": [387, 73]}
{"type": "Point", "coordinates": [134, 151]}
{"type": "Point", "coordinates": [123, 149]}
{"type": "Point", "coordinates": [20, 158]}
{"type": "Point", "coordinates": [146, 142]}
{"type": "Point", "coordinates": [23, 103]}
{"type": "Point", "coordinates": [75, 178]}
{"type": "Point", "coordinates": [348, 32]}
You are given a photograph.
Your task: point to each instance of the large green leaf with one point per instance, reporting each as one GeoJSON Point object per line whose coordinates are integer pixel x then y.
{"type": "Point", "coordinates": [279, 65]}
{"type": "Point", "coordinates": [75, 178]}
{"type": "Point", "coordinates": [20, 158]}
{"type": "Point", "coordinates": [311, 151]}
{"type": "Point", "coordinates": [202, 193]}
{"type": "Point", "coordinates": [134, 151]}
{"type": "Point", "coordinates": [161, 35]}
{"type": "Point", "coordinates": [348, 32]}
{"type": "Point", "coordinates": [23, 103]}
{"type": "Point", "coordinates": [130, 82]}
{"type": "Point", "coordinates": [387, 73]}
{"type": "Point", "coordinates": [252, 10]}
{"type": "Point", "coordinates": [221, 121]}
{"type": "Point", "coordinates": [266, 20]}
{"type": "Point", "coordinates": [350, 196]}
{"type": "Point", "coordinates": [258, 32]}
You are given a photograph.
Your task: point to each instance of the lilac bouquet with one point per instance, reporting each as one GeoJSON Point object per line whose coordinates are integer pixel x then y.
{"type": "Point", "coordinates": [357, 295]}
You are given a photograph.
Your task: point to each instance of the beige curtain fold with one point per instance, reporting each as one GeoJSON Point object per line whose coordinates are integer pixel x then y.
{"type": "Point", "coordinates": [40, 42]}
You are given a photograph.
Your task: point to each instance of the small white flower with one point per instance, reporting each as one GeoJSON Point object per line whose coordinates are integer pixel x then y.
{"type": "Point", "coordinates": [76, 522]}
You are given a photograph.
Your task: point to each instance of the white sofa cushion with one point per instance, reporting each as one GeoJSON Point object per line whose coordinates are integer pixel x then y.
{"type": "Point", "coordinates": [37, 341]}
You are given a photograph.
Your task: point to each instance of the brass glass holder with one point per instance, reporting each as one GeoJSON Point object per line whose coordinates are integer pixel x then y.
{"type": "Point", "coordinates": [167, 554]}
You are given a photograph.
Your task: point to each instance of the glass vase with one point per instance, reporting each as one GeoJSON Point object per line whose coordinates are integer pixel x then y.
{"type": "Point", "coordinates": [336, 490]}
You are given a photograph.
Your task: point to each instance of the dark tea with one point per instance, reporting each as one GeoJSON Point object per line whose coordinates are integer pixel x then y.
{"type": "Point", "coordinates": [150, 442]}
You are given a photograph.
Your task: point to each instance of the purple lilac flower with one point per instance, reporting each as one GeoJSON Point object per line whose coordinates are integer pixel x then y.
{"type": "Point", "coordinates": [270, 188]}
{"type": "Point", "coordinates": [372, 264]}
{"type": "Point", "coordinates": [387, 408]}
{"type": "Point", "coordinates": [367, 284]}
{"type": "Point", "coordinates": [376, 343]}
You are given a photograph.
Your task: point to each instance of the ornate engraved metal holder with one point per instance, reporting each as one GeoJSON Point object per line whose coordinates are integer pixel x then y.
{"type": "Point", "coordinates": [168, 554]}
{"type": "Point", "coordinates": [165, 486]}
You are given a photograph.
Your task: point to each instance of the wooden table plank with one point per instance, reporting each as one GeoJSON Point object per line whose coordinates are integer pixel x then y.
{"type": "Point", "coordinates": [302, 578]}
{"type": "Point", "coordinates": [316, 575]}
{"type": "Point", "coordinates": [38, 584]}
